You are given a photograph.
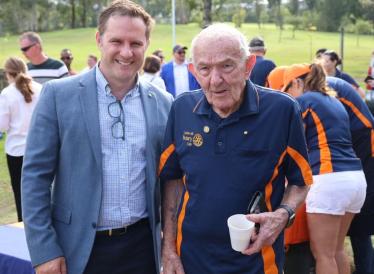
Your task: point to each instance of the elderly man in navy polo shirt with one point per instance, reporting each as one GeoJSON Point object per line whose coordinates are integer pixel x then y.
{"type": "Point", "coordinates": [222, 144]}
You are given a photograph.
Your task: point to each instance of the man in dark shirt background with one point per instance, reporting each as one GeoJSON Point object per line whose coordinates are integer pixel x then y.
{"type": "Point", "coordinates": [263, 66]}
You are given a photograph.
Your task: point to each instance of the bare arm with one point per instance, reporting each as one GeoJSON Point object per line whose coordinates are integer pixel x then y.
{"type": "Point", "coordinates": [273, 223]}
{"type": "Point", "coordinates": [171, 199]}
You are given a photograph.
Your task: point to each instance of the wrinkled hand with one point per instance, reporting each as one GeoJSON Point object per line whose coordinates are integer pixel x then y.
{"type": "Point", "coordinates": [171, 263]}
{"type": "Point", "coordinates": [55, 266]}
{"type": "Point", "coordinates": [271, 225]}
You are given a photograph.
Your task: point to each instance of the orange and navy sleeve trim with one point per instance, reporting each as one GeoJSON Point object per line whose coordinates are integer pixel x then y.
{"type": "Point", "coordinates": [325, 154]}
{"type": "Point", "coordinates": [372, 143]}
{"type": "Point", "coordinates": [181, 216]}
{"type": "Point", "coordinates": [357, 112]}
{"type": "Point", "coordinates": [165, 156]}
{"type": "Point", "coordinates": [268, 256]}
{"type": "Point", "coordinates": [269, 185]}
{"type": "Point", "coordinates": [303, 164]}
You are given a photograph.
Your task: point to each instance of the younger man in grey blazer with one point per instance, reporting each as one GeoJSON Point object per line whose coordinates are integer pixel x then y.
{"type": "Point", "coordinates": [89, 187]}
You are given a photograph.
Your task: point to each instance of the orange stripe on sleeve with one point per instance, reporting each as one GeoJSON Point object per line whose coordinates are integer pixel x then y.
{"type": "Point", "coordinates": [181, 216]}
{"type": "Point", "coordinates": [165, 156]}
{"type": "Point", "coordinates": [372, 143]}
{"type": "Point", "coordinates": [268, 256]}
{"type": "Point", "coordinates": [325, 154]}
{"type": "Point", "coordinates": [357, 112]}
{"type": "Point", "coordinates": [269, 185]}
{"type": "Point", "coordinates": [303, 164]}
{"type": "Point", "coordinates": [305, 113]}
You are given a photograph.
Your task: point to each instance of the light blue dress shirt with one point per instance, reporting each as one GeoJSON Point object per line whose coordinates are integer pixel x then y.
{"type": "Point", "coordinates": [124, 162]}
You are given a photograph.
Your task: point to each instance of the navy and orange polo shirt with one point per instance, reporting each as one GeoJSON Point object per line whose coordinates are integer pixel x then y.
{"type": "Point", "coordinates": [328, 136]}
{"type": "Point", "coordinates": [360, 116]}
{"type": "Point", "coordinates": [222, 163]}
{"type": "Point", "coordinates": [346, 77]}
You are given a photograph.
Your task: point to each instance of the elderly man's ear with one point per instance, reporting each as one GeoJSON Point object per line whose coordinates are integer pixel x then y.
{"type": "Point", "coordinates": [250, 63]}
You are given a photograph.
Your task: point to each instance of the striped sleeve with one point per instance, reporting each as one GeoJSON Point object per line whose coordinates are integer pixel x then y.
{"type": "Point", "coordinates": [298, 171]}
{"type": "Point", "coordinates": [169, 167]}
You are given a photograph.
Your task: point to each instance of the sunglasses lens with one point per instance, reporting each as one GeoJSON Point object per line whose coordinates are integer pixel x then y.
{"type": "Point", "coordinates": [24, 49]}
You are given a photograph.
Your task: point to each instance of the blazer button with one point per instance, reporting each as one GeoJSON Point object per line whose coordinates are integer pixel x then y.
{"type": "Point", "coordinates": [93, 225]}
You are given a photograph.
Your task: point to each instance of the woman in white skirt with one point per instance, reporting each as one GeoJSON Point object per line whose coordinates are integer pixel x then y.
{"type": "Point", "coordinates": [339, 185]}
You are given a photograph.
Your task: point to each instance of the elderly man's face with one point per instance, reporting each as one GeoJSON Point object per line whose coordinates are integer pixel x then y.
{"type": "Point", "coordinates": [222, 72]}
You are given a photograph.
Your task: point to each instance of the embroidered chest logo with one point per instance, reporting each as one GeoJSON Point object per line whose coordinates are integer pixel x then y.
{"type": "Point", "coordinates": [193, 139]}
{"type": "Point", "coordinates": [197, 140]}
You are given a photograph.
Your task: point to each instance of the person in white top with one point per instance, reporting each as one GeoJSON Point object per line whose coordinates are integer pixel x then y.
{"type": "Point", "coordinates": [91, 62]}
{"type": "Point", "coordinates": [17, 102]}
{"type": "Point", "coordinates": [151, 68]}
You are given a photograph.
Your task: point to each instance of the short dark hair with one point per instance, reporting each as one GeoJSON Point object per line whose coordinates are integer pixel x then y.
{"type": "Point", "coordinates": [320, 51]}
{"type": "Point", "coordinates": [125, 8]}
{"type": "Point", "coordinates": [152, 64]}
{"type": "Point", "coordinates": [333, 56]}
{"type": "Point", "coordinates": [257, 44]}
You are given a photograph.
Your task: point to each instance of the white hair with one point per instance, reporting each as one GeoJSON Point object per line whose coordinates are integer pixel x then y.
{"type": "Point", "coordinates": [217, 31]}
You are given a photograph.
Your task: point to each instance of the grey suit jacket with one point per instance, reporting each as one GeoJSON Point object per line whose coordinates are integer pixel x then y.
{"type": "Point", "coordinates": [62, 170]}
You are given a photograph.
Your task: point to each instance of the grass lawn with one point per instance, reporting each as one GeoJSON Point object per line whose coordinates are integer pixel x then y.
{"type": "Point", "coordinates": [7, 206]}
{"type": "Point", "coordinates": [282, 47]}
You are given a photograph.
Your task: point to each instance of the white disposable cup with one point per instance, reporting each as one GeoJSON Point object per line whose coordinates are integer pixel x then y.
{"type": "Point", "coordinates": [240, 229]}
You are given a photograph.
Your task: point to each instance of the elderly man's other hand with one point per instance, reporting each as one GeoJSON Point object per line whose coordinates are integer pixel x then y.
{"type": "Point", "coordinates": [171, 262]}
{"type": "Point", "coordinates": [271, 225]}
{"type": "Point", "coordinates": [55, 266]}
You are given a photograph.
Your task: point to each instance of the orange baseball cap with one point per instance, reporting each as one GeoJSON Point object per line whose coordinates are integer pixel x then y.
{"type": "Point", "coordinates": [294, 72]}
{"type": "Point", "coordinates": [275, 77]}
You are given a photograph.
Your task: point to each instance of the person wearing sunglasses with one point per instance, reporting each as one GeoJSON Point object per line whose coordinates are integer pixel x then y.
{"type": "Point", "coordinates": [91, 196]}
{"type": "Point", "coordinates": [66, 56]}
{"type": "Point", "coordinates": [40, 67]}
{"type": "Point", "coordinates": [176, 75]}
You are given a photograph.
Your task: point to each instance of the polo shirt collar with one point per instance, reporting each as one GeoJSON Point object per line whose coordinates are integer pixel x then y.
{"type": "Point", "coordinates": [249, 106]}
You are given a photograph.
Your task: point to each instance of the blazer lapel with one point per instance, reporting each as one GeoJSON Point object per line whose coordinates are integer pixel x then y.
{"type": "Point", "coordinates": [90, 110]}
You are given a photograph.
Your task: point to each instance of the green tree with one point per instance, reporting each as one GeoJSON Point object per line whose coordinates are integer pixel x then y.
{"type": "Point", "coordinates": [331, 14]}
{"type": "Point", "coordinates": [293, 7]}
{"type": "Point", "coordinates": [207, 18]}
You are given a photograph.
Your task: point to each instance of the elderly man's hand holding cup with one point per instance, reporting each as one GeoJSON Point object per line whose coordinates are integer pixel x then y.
{"type": "Point", "coordinates": [241, 230]}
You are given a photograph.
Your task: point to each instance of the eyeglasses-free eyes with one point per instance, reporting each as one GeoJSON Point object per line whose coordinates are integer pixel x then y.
{"type": "Point", "coordinates": [66, 58]}
{"type": "Point", "coordinates": [24, 49]}
{"type": "Point", "coordinates": [115, 110]}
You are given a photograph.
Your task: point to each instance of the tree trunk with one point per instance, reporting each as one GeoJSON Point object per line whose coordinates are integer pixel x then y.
{"type": "Point", "coordinates": [84, 13]}
{"type": "Point", "coordinates": [207, 12]}
{"type": "Point", "coordinates": [72, 3]}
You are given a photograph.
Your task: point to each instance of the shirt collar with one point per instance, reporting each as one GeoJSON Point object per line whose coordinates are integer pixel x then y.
{"type": "Point", "coordinates": [338, 73]}
{"type": "Point", "coordinates": [103, 85]}
{"type": "Point", "coordinates": [185, 63]}
{"type": "Point", "coordinates": [249, 106]}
